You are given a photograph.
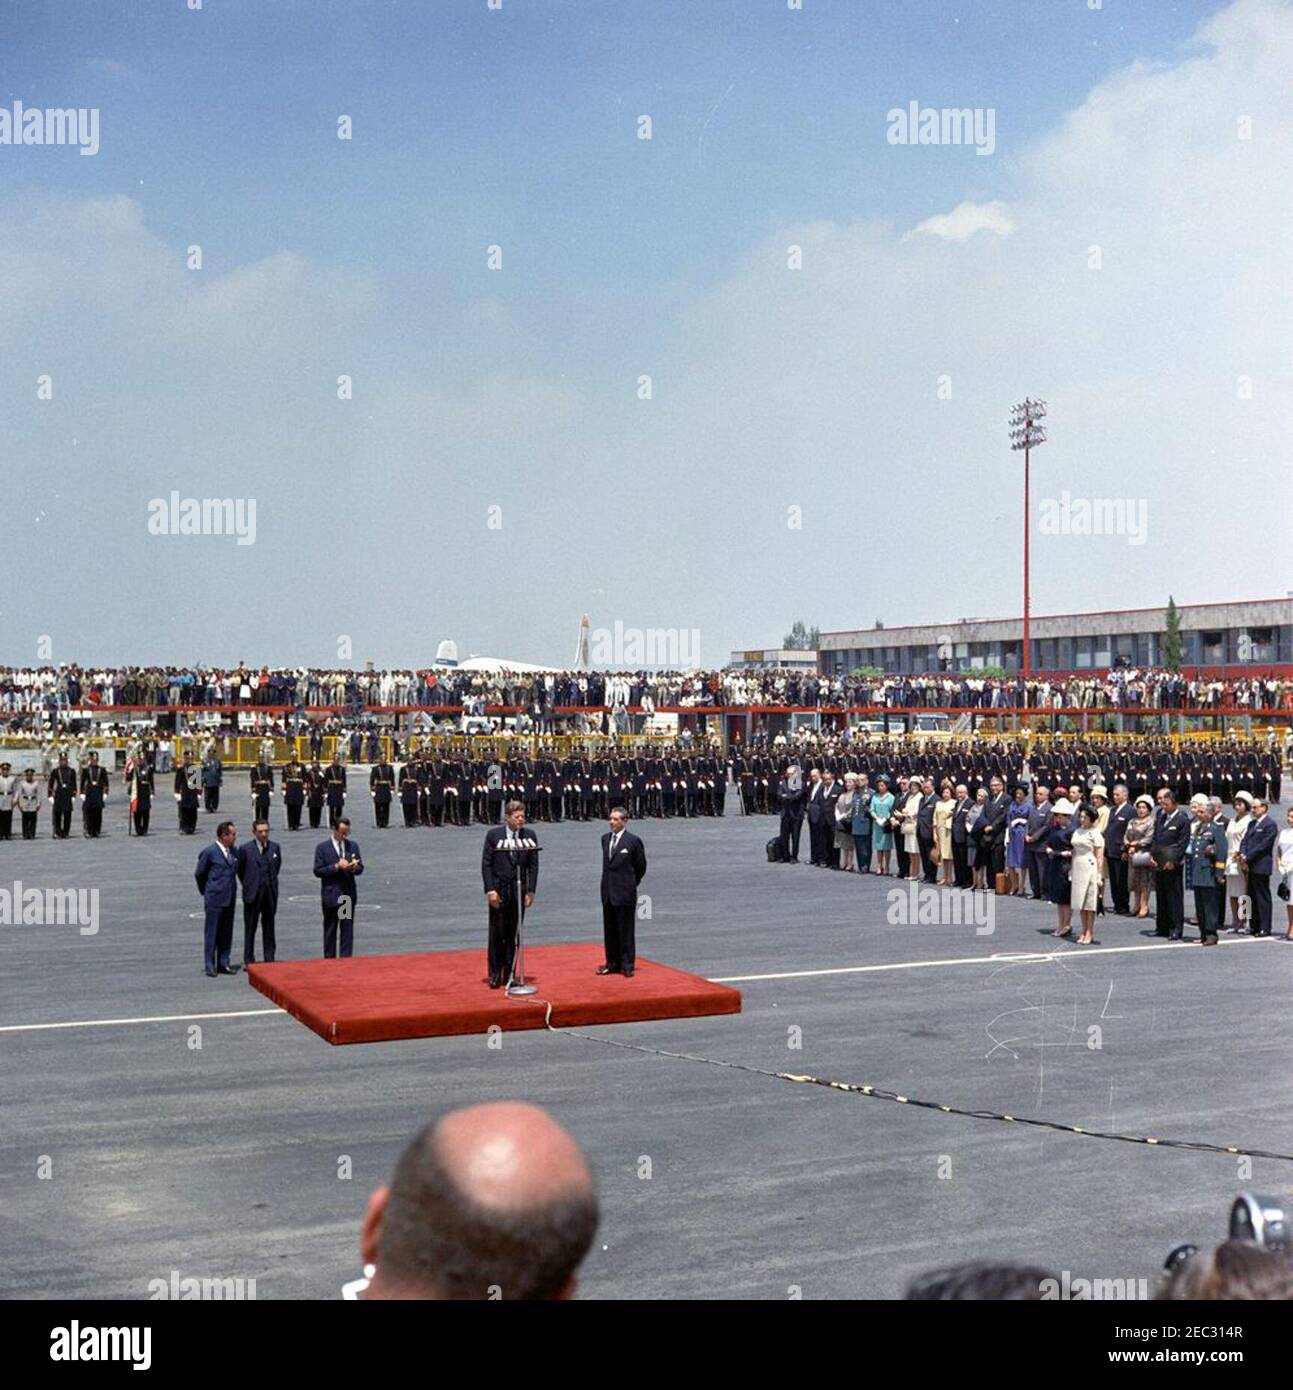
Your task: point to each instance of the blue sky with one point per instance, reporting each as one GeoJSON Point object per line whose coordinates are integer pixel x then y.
{"type": "Point", "coordinates": [517, 127]}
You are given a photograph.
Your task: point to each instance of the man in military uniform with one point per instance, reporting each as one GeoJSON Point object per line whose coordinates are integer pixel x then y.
{"type": "Point", "coordinates": [188, 791]}
{"type": "Point", "coordinates": [94, 793]}
{"type": "Point", "coordinates": [293, 785]}
{"type": "Point", "coordinates": [27, 795]}
{"type": "Point", "coordinates": [212, 779]}
{"type": "Point", "coordinates": [316, 789]}
{"type": "Point", "coordinates": [335, 787]}
{"type": "Point", "coordinates": [8, 787]}
{"type": "Point", "coordinates": [409, 794]}
{"type": "Point", "coordinates": [381, 783]}
{"type": "Point", "coordinates": [262, 789]}
{"type": "Point", "coordinates": [62, 792]}
{"type": "Point", "coordinates": [140, 786]}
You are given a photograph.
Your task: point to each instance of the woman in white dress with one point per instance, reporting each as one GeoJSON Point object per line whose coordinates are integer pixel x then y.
{"type": "Point", "coordinates": [1236, 874]}
{"type": "Point", "coordinates": [1284, 866]}
{"type": "Point", "coordinates": [1086, 870]}
{"type": "Point", "coordinates": [910, 807]}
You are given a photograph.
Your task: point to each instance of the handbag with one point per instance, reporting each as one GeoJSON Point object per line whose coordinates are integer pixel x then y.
{"type": "Point", "coordinates": [1283, 891]}
{"type": "Point", "coordinates": [1142, 859]}
{"type": "Point", "coordinates": [935, 854]}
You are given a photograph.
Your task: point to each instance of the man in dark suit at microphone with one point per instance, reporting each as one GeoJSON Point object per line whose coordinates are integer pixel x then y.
{"type": "Point", "coordinates": [623, 866]}
{"type": "Point", "coordinates": [337, 865]}
{"type": "Point", "coordinates": [510, 849]}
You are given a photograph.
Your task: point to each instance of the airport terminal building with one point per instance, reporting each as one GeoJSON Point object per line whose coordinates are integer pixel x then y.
{"type": "Point", "coordinates": [1222, 640]}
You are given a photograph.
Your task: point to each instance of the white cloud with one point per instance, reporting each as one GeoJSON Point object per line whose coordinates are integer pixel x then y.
{"type": "Point", "coordinates": [964, 220]}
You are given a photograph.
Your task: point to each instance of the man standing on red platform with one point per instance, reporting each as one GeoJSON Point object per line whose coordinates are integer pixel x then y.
{"type": "Point", "coordinates": [510, 852]}
{"type": "Point", "coordinates": [623, 866]}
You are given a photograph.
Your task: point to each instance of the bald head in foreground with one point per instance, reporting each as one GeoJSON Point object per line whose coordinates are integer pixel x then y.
{"type": "Point", "coordinates": [493, 1201]}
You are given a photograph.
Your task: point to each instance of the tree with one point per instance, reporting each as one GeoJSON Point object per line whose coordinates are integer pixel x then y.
{"type": "Point", "coordinates": [801, 638]}
{"type": "Point", "coordinates": [1172, 637]}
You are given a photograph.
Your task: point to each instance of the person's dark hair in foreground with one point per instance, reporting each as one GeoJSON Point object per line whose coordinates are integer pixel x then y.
{"type": "Point", "coordinates": [492, 1201]}
{"type": "Point", "coordinates": [979, 1280]}
{"type": "Point", "coordinates": [1237, 1270]}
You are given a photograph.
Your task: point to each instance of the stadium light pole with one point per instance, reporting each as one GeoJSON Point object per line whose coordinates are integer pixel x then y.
{"type": "Point", "coordinates": [1027, 433]}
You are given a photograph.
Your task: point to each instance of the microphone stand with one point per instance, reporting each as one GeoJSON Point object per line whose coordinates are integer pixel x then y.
{"type": "Point", "coordinates": [517, 985]}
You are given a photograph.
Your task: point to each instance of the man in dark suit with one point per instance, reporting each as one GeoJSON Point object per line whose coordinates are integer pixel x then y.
{"type": "Point", "coordinates": [925, 830]}
{"type": "Point", "coordinates": [814, 803]}
{"type": "Point", "coordinates": [217, 880]}
{"type": "Point", "coordinates": [831, 792]}
{"type": "Point", "coordinates": [337, 865]}
{"type": "Point", "coordinates": [509, 850]}
{"type": "Point", "coordinates": [1115, 836]}
{"type": "Point", "coordinates": [1036, 833]}
{"type": "Point", "coordinates": [258, 866]}
{"type": "Point", "coordinates": [790, 798]}
{"type": "Point", "coordinates": [623, 865]}
{"type": "Point", "coordinates": [1167, 848]}
{"type": "Point", "coordinates": [991, 831]}
{"type": "Point", "coordinates": [1256, 857]}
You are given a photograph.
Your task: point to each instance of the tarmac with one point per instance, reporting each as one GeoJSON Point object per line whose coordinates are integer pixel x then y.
{"type": "Point", "coordinates": [156, 1120]}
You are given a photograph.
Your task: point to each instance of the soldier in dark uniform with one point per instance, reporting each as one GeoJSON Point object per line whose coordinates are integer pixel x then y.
{"type": "Point", "coordinates": [188, 790]}
{"type": "Point", "coordinates": [460, 772]}
{"type": "Point", "coordinates": [62, 792]}
{"type": "Point", "coordinates": [141, 786]}
{"type": "Point", "coordinates": [293, 784]}
{"type": "Point", "coordinates": [494, 775]}
{"type": "Point", "coordinates": [381, 783]}
{"type": "Point", "coordinates": [316, 746]}
{"type": "Point", "coordinates": [262, 790]}
{"type": "Point", "coordinates": [718, 772]}
{"type": "Point", "coordinates": [335, 787]}
{"type": "Point", "coordinates": [316, 790]}
{"type": "Point", "coordinates": [480, 791]}
{"type": "Point", "coordinates": [212, 780]}
{"type": "Point", "coordinates": [94, 792]}
{"type": "Point", "coordinates": [437, 781]}
{"type": "Point", "coordinates": [409, 794]}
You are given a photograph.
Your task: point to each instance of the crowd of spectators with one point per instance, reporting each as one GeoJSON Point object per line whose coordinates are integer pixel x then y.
{"type": "Point", "coordinates": [24, 689]}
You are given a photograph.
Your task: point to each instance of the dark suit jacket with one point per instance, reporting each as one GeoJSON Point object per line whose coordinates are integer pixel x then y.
{"type": "Point", "coordinates": [258, 871]}
{"type": "Point", "coordinates": [335, 883]}
{"type": "Point", "coordinates": [217, 877]}
{"type": "Point", "coordinates": [959, 832]}
{"type": "Point", "coordinates": [990, 825]}
{"type": "Point", "coordinates": [498, 865]}
{"type": "Point", "coordinates": [925, 816]}
{"type": "Point", "coordinates": [1116, 831]}
{"type": "Point", "coordinates": [621, 876]}
{"type": "Point", "coordinates": [1171, 835]}
{"type": "Point", "coordinates": [815, 801]}
{"type": "Point", "coordinates": [1259, 839]}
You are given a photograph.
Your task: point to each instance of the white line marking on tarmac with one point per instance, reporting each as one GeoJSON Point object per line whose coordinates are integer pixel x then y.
{"type": "Point", "coordinates": [1060, 953]}
{"type": "Point", "coordinates": [718, 980]}
{"type": "Point", "coordinates": [155, 1018]}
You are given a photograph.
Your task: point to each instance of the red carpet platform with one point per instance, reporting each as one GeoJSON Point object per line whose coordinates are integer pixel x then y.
{"type": "Point", "coordinates": [378, 998]}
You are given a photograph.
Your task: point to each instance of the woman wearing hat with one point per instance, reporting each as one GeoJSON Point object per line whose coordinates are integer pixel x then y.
{"type": "Point", "coordinates": [1087, 869]}
{"type": "Point", "coordinates": [1236, 873]}
{"type": "Point", "coordinates": [1136, 841]}
{"type": "Point", "coordinates": [1100, 801]}
{"type": "Point", "coordinates": [1058, 853]}
{"type": "Point", "coordinates": [881, 816]}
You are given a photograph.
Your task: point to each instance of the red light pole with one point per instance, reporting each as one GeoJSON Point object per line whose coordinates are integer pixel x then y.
{"type": "Point", "coordinates": [1027, 433]}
